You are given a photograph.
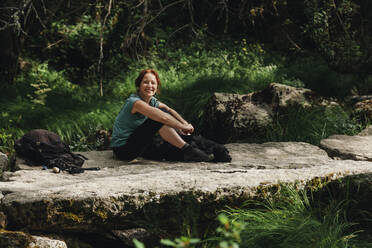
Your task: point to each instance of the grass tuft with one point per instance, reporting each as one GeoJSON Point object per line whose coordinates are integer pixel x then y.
{"type": "Point", "coordinates": [289, 220]}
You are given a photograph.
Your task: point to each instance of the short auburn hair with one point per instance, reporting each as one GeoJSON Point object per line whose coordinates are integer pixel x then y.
{"type": "Point", "coordinates": [143, 73]}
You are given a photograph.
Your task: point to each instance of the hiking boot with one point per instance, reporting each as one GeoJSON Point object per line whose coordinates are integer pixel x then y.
{"type": "Point", "coordinates": [193, 154]}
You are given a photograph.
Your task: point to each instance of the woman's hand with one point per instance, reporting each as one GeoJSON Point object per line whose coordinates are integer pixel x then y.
{"type": "Point", "coordinates": [187, 129]}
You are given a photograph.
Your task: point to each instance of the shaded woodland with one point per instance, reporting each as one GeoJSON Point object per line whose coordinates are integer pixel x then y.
{"type": "Point", "coordinates": [67, 65]}
{"type": "Point", "coordinates": [339, 31]}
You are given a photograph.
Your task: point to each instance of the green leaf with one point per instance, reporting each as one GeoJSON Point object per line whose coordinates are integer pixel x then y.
{"type": "Point", "coordinates": [138, 244]}
{"type": "Point", "coordinates": [224, 244]}
{"type": "Point", "coordinates": [167, 242]}
{"type": "Point", "coordinates": [223, 218]}
{"type": "Point", "coordinates": [194, 241]}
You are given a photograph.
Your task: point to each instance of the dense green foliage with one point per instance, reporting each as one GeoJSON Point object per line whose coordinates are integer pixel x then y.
{"type": "Point", "coordinates": [84, 37]}
{"type": "Point", "coordinates": [288, 217]}
{"type": "Point", "coordinates": [45, 98]}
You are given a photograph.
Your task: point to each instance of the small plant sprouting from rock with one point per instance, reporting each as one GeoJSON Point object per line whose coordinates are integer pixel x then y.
{"type": "Point", "coordinates": [138, 244]}
{"type": "Point", "coordinates": [229, 231]}
{"type": "Point", "coordinates": [182, 242]}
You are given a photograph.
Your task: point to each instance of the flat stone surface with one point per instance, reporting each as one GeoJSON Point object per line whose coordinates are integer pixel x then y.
{"type": "Point", "coordinates": [141, 175]}
{"type": "Point", "coordinates": [277, 155]}
{"type": "Point", "coordinates": [251, 165]}
{"type": "Point", "coordinates": [348, 147]}
{"type": "Point", "coordinates": [45, 242]}
{"type": "Point", "coordinates": [164, 178]}
{"type": "Point", "coordinates": [40, 199]}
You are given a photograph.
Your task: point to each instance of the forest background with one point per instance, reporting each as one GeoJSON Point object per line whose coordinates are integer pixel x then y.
{"type": "Point", "coordinates": [67, 66]}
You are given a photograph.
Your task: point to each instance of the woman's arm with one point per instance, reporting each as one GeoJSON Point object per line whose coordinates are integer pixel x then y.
{"type": "Point", "coordinates": [172, 112]}
{"type": "Point", "coordinates": [160, 116]}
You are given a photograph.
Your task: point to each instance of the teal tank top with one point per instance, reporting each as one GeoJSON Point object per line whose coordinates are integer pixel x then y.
{"type": "Point", "coordinates": [126, 122]}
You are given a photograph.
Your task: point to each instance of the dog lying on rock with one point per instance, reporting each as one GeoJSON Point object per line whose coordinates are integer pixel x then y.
{"type": "Point", "coordinates": [162, 150]}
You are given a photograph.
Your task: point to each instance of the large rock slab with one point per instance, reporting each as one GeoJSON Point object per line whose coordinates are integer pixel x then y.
{"type": "Point", "coordinates": [348, 147]}
{"type": "Point", "coordinates": [228, 117]}
{"type": "Point", "coordinates": [126, 195]}
{"type": "Point", "coordinates": [233, 117]}
{"type": "Point", "coordinates": [281, 96]}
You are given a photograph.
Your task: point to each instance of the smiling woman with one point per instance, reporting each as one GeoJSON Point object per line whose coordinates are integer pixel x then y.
{"type": "Point", "coordinates": [142, 116]}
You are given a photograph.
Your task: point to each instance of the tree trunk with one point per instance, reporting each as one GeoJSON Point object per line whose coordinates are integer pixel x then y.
{"type": "Point", "coordinates": [9, 45]}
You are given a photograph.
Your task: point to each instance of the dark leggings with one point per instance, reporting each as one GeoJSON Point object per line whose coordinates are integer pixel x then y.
{"type": "Point", "coordinates": [138, 140]}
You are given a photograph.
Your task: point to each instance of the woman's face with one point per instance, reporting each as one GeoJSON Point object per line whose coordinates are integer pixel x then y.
{"type": "Point", "coordinates": [148, 86]}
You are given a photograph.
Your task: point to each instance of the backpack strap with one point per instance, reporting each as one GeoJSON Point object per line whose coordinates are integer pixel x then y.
{"type": "Point", "coordinates": [76, 170]}
{"type": "Point", "coordinates": [75, 155]}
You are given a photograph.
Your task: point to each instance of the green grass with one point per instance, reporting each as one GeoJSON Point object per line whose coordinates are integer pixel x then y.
{"type": "Point", "coordinates": [44, 98]}
{"type": "Point", "coordinates": [311, 125]}
{"type": "Point", "coordinates": [75, 128]}
{"type": "Point", "coordinates": [294, 218]}
{"type": "Point", "coordinates": [289, 220]}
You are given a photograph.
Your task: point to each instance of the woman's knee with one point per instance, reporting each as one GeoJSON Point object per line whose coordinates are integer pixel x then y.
{"type": "Point", "coordinates": [166, 127]}
{"type": "Point", "coordinates": [125, 153]}
{"type": "Point", "coordinates": [167, 130]}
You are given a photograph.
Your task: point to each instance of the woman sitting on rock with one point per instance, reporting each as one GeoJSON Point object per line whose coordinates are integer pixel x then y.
{"type": "Point", "coordinates": [142, 116]}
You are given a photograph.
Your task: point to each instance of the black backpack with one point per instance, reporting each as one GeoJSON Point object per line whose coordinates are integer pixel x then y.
{"type": "Point", "coordinates": [42, 147]}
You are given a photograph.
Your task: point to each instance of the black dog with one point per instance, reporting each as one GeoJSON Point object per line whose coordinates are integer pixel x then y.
{"type": "Point", "coordinates": [161, 150]}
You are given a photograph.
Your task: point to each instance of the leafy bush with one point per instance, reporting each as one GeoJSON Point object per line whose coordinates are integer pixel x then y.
{"type": "Point", "coordinates": [73, 47]}
{"type": "Point", "coordinates": [7, 138]}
